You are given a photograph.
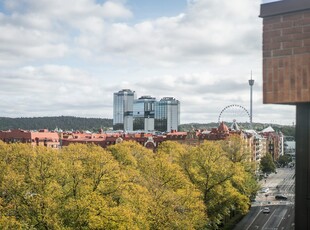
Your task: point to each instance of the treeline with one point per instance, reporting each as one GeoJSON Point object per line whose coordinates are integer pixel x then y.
{"type": "Point", "coordinates": [287, 130]}
{"type": "Point", "coordinates": [94, 124]}
{"type": "Point", "coordinates": [51, 123]}
{"type": "Point", "coordinates": [125, 186]}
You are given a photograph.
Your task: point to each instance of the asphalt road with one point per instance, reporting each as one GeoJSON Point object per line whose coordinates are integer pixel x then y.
{"type": "Point", "coordinates": [281, 216]}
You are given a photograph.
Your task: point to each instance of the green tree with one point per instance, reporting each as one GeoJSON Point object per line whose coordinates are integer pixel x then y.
{"type": "Point", "coordinates": [236, 149]}
{"type": "Point", "coordinates": [92, 184]}
{"type": "Point", "coordinates": [123, 187]}
{"type": "Point", "coordinates": [238, 152]}
{"type": "Point", "coordinates": [267, 165]}
{"type": "Point", "coordinates": [209, 168]}
{"type": "Point", "coordinates": [29, 188]}
{"type": "Point", "coordinates": [284, 160]}
{"type": "Point", "coordinates": [173, 202]}
{"type": "Point", "coordinates": [133, 192]}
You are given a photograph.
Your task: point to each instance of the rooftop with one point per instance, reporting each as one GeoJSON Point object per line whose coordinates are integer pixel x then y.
{"type": "Point", "coordinates": [283, 7]}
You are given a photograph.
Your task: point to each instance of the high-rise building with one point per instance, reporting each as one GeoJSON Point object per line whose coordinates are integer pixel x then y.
{"type": "Point", "coordinates": [167, 114]}
{"type": "Point", "coordinates": [123, 110]}
{"type": "Point", "coordinates": [144, 113]}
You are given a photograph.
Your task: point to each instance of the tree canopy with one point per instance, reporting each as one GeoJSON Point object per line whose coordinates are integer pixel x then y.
{"type": "Point", "coordinates": [267, 165]}
{"type": "Point", "coordinates": [123, 187]}
{"type": "Point", "coordinates": [284, 160]}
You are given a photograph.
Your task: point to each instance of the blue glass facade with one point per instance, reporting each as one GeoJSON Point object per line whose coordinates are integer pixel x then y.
{"type": "Point", "coordinates": [123, 110]}
{"type": "Point", "coordinates": [145, 113]}
{"type": "Point", "coordinates": [167, 114]}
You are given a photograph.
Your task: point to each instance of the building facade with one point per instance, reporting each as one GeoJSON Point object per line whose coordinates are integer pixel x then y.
{"type": "Point", "coordinates": [144, 113]}
{"type": "Point", "coordinates": [167, 114]}
{"type": "Point", "coordinates": [286, 80]}
{"type": "Point", "coordinates": [274, 142]}
{"type": "Point", "coordinates": [42, 137]}
{"type": "Point", "coordinates": [123, 110]}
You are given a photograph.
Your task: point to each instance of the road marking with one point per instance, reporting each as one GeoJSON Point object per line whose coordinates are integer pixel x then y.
{"type": "Point", "coordinates": [286, 187]}
{"type": "Point", "coordinates": [268, 219]}
{"type": "Point", "coordinates": [283, 217]}
{"type": "Point", "coordinates": [260, 210]}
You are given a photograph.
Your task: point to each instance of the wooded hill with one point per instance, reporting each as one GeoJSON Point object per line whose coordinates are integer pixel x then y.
{"type": "Point", "coordinates": [287, 130]}
{"type": "Point", "coordinates": [94, 124]}
{"type": "Point", "coordinates": [51, 123]}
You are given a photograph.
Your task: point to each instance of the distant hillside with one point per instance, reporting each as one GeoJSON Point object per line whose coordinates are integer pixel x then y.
{"type": "Point", "coordinates": [285, 129]}
{"type": "Point", "coordinates": [94, 124]}
{"type": "Point", "coordinates": [63, 122]}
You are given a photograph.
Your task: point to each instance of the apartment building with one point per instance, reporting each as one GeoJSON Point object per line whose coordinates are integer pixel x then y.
{"type": "Point", "coordinates": [42, 137]}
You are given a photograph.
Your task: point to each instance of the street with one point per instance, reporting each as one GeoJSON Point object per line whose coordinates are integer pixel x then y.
{"type": "Point", "coordinates": [281, 215]}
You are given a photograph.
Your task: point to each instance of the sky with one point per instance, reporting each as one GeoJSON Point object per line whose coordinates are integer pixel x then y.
{"type": "Point", "coordinates": [69, 57]}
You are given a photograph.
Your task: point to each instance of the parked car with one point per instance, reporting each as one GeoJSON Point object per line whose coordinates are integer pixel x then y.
{"type": "Point", "coordinates": [265, 190]}
{"type": "Point", "coordinates": [280, 197]}
{"type": "Point", "coordinates": [266, 210]}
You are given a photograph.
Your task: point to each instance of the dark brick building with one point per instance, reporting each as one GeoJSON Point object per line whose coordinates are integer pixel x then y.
{"type": "Point", "coordinates": [286, 80]}
{"type": "Point", "coordinates": [286, 51]}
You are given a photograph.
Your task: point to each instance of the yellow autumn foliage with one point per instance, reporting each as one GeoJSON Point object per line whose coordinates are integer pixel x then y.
{"type": "Point", "coordinates": [125, 186]}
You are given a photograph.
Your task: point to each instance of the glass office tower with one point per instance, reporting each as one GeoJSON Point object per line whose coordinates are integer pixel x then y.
{"type": "Point", "coordinates": [144, 113]}
{"type": "Point", "coordinates": [123, 110]}
{"type": "Point", "coordinates": [167, 114]}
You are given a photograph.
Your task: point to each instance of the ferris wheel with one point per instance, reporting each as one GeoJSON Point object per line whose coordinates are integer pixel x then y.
{"type": "Point", "coordinates": [234, 113]}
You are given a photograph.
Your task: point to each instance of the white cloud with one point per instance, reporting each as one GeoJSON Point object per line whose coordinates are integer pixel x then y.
{"type": "Point", "coordinates": [26, 43]}
{"type": "Point", "coordinates": [115, 10]}
{"type": "Point", "coordinates": [45, 29]}
{"type": "Point", "coordinates": [69, 8]}
{"type": "Point", "coordinates": [206, 31]}
{"type": "Point", "coordinates": [68, 57]}
{"type": "Point", "coordinates": [53, 89]}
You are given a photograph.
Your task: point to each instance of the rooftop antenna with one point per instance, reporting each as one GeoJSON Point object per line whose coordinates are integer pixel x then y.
{"type": "Point", "coordinates": [251, 83]}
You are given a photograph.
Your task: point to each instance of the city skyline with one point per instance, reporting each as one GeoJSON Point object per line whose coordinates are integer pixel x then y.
{"type": "Point", "coordinates": [67, 58]}
{"type": "Point", "coordinates": [144, 113]}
